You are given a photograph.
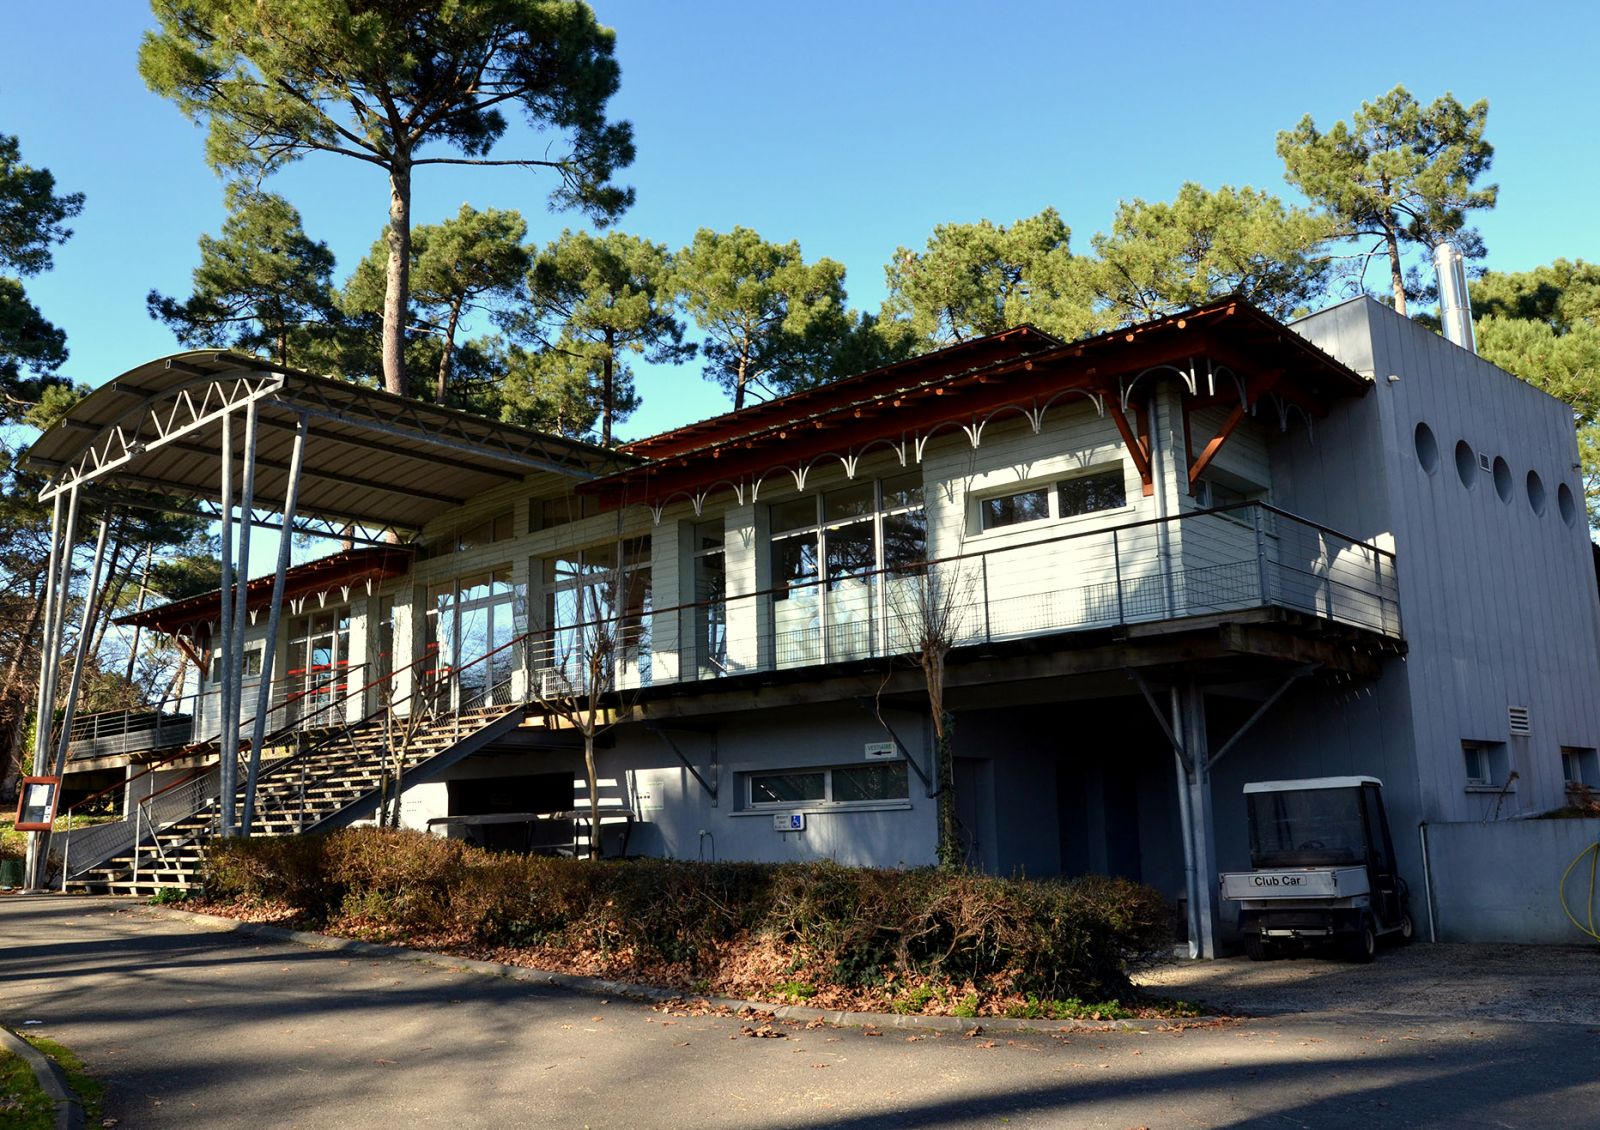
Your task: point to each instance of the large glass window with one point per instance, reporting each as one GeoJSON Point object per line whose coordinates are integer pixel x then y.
{"type": "Point", "coordinates": [317, 664]}
{"type": "Point", "coordinates": [597, 616]}
{"type": "Point", "coordinates": [471, 620]}
{"type": "Point", "coordinates": [710, 600]}
{"type": "Point", "coordinates": [830, 554]}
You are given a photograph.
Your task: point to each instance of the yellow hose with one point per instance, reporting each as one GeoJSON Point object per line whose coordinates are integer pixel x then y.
{"type": "Point", "coordinates": [1593, 852]}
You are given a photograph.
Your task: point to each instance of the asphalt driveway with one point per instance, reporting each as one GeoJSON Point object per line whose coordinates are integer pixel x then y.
{"type": "Point", "coordinates": [194, 1025]}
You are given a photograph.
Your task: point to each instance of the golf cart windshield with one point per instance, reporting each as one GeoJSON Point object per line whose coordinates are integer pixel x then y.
{"type": "Point", "coordinates": [1307, 828]}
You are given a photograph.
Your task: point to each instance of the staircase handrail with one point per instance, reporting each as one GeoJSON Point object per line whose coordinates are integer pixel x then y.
{"type": "Point", "coordinates": [100, 842]}
{"type": "Point", "coordinates": [193, 748]}
{"type": "Point", "coordinates": [430, 689]}
{"type": "Point", "coordinates": [145, 810]}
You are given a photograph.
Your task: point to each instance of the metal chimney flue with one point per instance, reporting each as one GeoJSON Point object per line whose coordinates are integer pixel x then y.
{"type": "Point", "coordinates": [1455, 308]}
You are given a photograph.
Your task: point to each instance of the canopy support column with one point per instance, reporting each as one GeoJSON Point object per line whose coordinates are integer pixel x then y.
{"type": "Point", "coordinates": [49, 664]}
{"type": "Point", "coordinates": [1189, 717]}
{"type": "Point", "coordinates": [274, 615]}
{"type": "Point", "coordinates": [227, 690]}
{"type": "Point", "coordinates": [81, 652]}
{"type": "Point", "coordinates": [1184, 725]}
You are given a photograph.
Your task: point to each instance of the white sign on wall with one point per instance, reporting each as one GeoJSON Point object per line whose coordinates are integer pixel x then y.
{"type": "Point", "coordinates": [788, 821]}
{"type": "Point", "coordinates": [881, 751]}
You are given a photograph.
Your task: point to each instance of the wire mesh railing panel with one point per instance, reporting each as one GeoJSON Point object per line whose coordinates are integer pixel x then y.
{"type": "Point", "coordinates": [1192, 564]}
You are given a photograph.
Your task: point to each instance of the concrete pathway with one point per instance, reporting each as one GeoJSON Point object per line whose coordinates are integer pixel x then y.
{"type": "Point", "coordinates": [193, 1026]}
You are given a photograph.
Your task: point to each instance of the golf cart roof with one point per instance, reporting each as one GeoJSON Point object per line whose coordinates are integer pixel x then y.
{"type": "Point", "coordinates": [1310, 783]}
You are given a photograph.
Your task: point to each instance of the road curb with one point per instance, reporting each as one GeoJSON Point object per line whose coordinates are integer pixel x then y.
{"type": "Point", "coordinates": [51, 1079]}
{"type": "Point", "coordinates": [599, 987]}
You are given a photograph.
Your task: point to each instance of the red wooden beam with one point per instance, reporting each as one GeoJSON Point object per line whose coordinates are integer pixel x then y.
{"type": "Point", "coordinates": [1137, 451]}
{"type": "Point", "coordinates": [1198, 467]}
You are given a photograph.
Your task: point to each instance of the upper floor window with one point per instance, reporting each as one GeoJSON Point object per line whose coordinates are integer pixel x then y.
{"type": "Point", "coordinates": [1101, 488]}
{"type": "Point", "coordinates": [710, 599]}
{"type": "Point", "coordinates": [1084, 494]}
{"type": "Point", "coordinates": [597, 606]}
{"type": "Point", "coordinates": [848, 533]}
{"type": "Point", "coordinates": [485, 532]}
{"type": "Point", "coordinates": [545, 513]}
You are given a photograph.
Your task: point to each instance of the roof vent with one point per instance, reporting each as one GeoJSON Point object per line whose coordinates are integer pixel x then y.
{"type": "Point", "coordinates": [1520, 721]}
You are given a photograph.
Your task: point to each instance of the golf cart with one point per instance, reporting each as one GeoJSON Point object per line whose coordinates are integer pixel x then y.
{"type": "Point", "coordinates": [1324, 869]}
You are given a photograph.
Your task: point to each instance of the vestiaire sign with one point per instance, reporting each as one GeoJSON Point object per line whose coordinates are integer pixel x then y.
{"type": "Point", "coordinates": [36, 803]}
{"type": "Point", "coordinates": [881, 751]}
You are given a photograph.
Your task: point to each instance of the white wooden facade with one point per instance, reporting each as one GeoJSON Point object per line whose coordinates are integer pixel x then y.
{"type": "Point", "coordinates": [1062, 769]}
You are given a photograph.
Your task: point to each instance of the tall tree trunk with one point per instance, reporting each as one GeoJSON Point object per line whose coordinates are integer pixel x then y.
{"type": "Point", "coordinates": [1397, 278]}
{"type": "Point", "coordinates": [739, 380]}
{"type": "Point", "coordinates": [607, 376]}
{"type": "Point", "coordinates": [447, 355]}
{"type": "Point", "coordinates": [397, 285]}
{"type": "Point", "coordinates": [592, 773]}
{"type": "Point", "coordinates": [14, 664]}
{"type": "Point", "coordinates": [144, 590]}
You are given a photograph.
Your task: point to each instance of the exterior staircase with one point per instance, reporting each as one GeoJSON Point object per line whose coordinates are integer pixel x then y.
{"type": "Point", "coordinates": [334, 783]}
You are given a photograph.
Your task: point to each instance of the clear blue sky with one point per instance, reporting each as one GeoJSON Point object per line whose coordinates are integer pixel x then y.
{"type": "Point", "coordinates": [852, 127]}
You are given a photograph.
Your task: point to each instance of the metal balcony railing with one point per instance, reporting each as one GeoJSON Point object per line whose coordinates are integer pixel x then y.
{"type": "Point", "coordinates": [1199, 563]}
{"type": "Point", "coordinates": [296, 698]}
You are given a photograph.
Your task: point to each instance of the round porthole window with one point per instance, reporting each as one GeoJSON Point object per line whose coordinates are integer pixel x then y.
{"type": "Point", "coordinates": [1427, 449]}
{"type": "Point", "coordinates": [1565, 504]}
{"type": "Point", "coordinates": [1466, 464]}
{"type": "Point", "coordinates": [1502, 479]}
{"type": "Point", "coordinates": [1536, 492]}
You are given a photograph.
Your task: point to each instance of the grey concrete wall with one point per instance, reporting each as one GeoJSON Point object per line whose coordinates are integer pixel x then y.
{"type": "Point", "coordinates": [1501, 881]}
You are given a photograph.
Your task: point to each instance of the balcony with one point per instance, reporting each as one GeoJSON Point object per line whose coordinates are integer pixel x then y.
{"type": "Point", "coordinates": [1177, 571]}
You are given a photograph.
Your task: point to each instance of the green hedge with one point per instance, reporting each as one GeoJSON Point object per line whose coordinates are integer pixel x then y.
{"type": "Point", "coordinates": [839, 926]}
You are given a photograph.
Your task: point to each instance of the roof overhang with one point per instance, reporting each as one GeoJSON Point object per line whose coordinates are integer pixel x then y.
{"type": "Point", "coordinates": [1226, 352]}
{"type": "Point", "coordinates": [372, 458]}
{"type": "Point", "coordinates": [338, 571]}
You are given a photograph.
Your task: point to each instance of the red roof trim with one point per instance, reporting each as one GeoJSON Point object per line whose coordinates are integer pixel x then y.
{"type": "Point", "coordinates": [321, 575]}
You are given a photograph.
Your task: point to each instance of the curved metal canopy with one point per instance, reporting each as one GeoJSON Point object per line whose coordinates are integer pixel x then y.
{"type": "Point", "coordinates": [372, 458]}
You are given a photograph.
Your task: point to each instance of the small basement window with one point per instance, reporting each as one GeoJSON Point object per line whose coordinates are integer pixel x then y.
{"type": "Point", "coordinates": [1580, 767]}
{"type": "Point", "coordinates": [1487, 764]}
{"type": "Point", "coordinates": [835, 785]}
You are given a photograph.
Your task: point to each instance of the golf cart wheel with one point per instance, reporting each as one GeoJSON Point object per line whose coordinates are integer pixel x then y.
{"type": "Point", "coordinates": [1408, 928]}
{"type": "Point", "coordinates": [1362, 945]}
{"type": "Point", "coordinates": [1257, 948]}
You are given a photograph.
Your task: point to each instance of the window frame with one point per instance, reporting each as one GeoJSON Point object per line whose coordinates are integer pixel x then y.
{"type": "Point", "coordinates": [1585, 761]}
{"type": "Point", "coordinates": [828, 790]}
{"type": "Point", "coordinates": [1052, 488]}
{"type": "Point", "coordinates": [816, 532]}
{"type": "Point", "coordinates": [1494, 759]}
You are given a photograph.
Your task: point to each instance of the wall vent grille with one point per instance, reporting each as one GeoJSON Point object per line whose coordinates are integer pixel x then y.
{"type": "Point", "coordinates": [1520, 720]}
{"type": "Point", "coordinates": [1483, 461]}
